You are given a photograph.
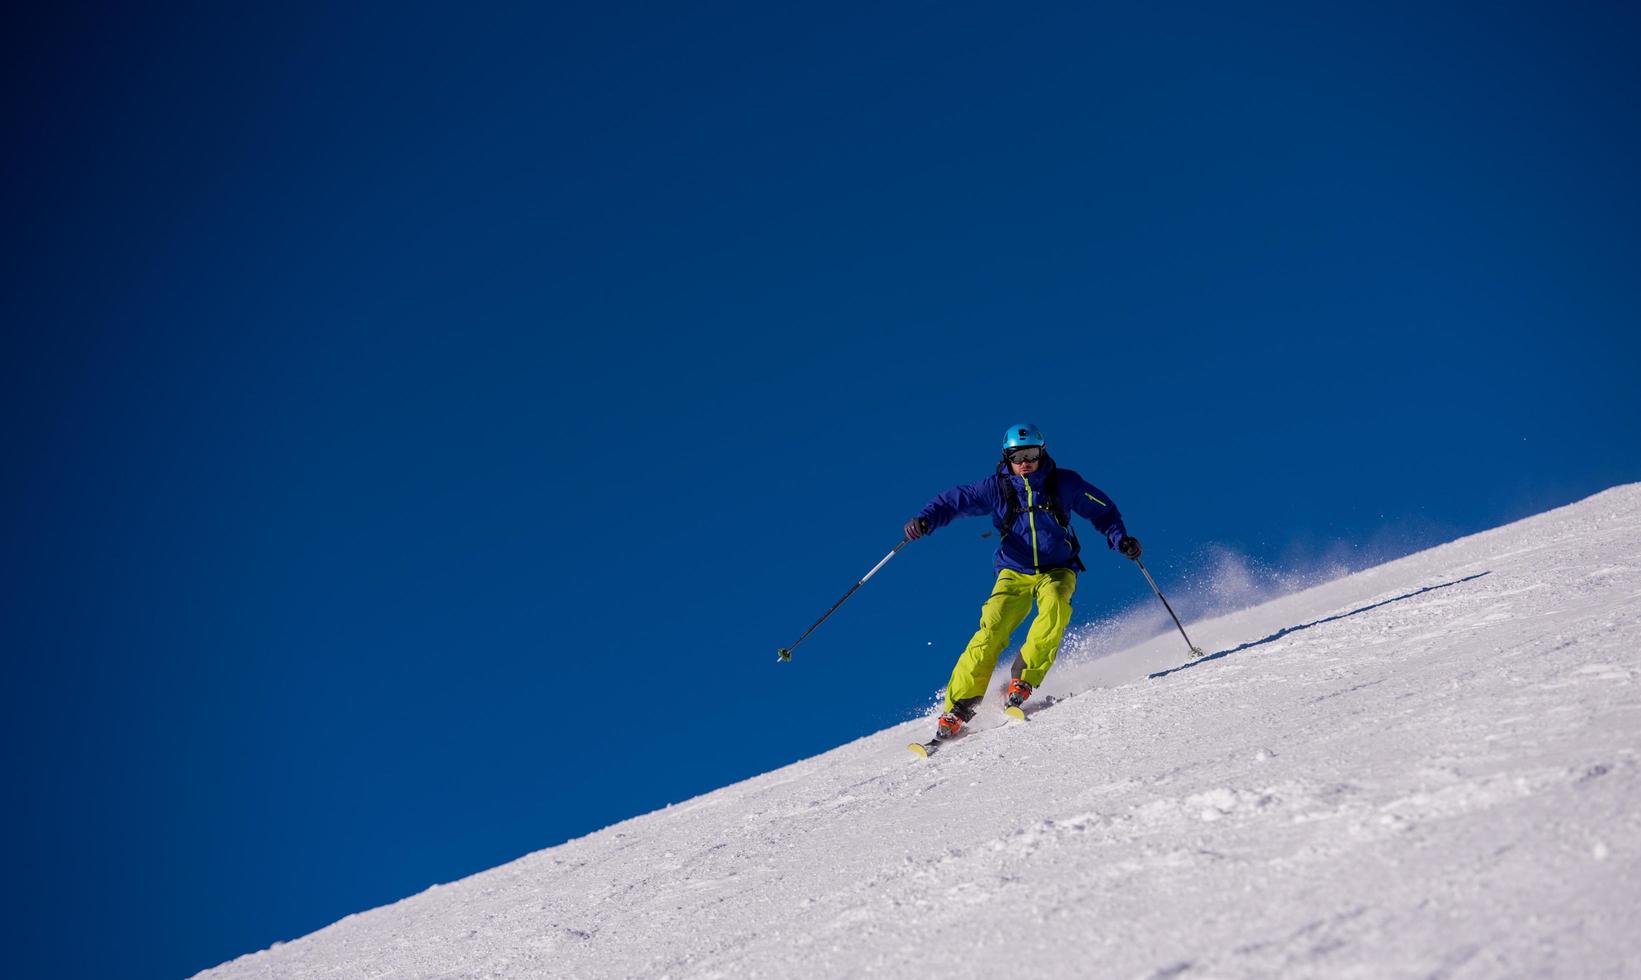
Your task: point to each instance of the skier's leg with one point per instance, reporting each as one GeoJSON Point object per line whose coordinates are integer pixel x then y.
{"type": "Point", "coordinates": [1009, 603]}
{"type": "Point", "coordinates": [1053, 590]}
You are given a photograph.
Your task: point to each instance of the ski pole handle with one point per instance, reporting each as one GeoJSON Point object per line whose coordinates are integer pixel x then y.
{"type": "Point", "coordinates": [784, 654]}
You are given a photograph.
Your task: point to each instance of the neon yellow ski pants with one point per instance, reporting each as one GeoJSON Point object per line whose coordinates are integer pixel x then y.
{"type": "Point", "coordinates": [1010, 602]}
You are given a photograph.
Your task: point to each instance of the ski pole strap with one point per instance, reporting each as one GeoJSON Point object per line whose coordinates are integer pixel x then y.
{"type": "Point", "coordinates": [784, 654]}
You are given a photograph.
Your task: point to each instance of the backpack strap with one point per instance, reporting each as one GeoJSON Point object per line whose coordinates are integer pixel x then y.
{"type": "Point", "coordinates": [1048, 502]}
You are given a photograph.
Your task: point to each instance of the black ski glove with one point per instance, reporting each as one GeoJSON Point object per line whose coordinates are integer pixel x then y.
{"type": "Point", "coordinates": [916, 528]}
{"type": "Point", "coordinates": [1130, 547]}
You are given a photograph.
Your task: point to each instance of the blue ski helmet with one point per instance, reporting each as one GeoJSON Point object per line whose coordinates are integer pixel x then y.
{"type": "Point", "coordinates": [1024, 434]}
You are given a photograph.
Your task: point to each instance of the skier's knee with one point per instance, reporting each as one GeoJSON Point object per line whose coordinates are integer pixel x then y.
{"type": "Point", "coordinates": [1053, 596]}
{"type": "Point", "coordinates": [991, 636]}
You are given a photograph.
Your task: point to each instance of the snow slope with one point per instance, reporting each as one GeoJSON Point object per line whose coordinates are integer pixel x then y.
{"type": "Point", "coordinates": [1427, 768]}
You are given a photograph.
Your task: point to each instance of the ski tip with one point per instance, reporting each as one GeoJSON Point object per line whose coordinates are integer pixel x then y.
{"type": "Point", "coordinates": [919, 749]}
{"type": "Point", "coordinates": [1016, 712]}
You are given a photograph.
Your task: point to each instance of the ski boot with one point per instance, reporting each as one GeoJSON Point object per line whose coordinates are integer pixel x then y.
{"type": "Point", "coordinates": [950, 726]}
{"type": "Point", "coordinates": [952, 722]}
{"type": "Point", "coordinates": [1019, 691]}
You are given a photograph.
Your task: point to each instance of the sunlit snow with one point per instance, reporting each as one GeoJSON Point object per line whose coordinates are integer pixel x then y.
{"type": "Point", "coordinates": [1427, 768]}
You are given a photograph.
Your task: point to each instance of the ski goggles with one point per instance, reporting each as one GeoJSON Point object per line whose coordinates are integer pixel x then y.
{"type": "Point", "coordinates": [1024, 455]}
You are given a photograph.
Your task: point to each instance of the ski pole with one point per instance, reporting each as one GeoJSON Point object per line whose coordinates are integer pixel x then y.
{"type": "Point", "coordinates": [1196, 651]}
{"type": "Point", "coordinates": [785, 653]}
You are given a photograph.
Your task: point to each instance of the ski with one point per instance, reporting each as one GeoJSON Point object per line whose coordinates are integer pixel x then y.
{"type": "Point", "coordinates": [1025, 712]}
{"type": "Point", "coordinates": [926, 749]}
{"type": "Point", "coordinates": [1013, 713]}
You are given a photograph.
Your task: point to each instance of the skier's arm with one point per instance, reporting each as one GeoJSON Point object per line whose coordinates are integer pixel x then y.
{"type": "Point", "coordinates": [967, 500]}
{"type": "Point", "coordinates": [1094, 504]}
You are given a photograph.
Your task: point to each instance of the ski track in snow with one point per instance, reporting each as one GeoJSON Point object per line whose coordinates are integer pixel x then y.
{"type": "Point", "coordinates": [1428, 769]}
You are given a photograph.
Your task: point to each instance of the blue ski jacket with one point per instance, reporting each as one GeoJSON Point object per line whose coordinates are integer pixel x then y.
{"type": "Point", "coordinates": [1033, 541]}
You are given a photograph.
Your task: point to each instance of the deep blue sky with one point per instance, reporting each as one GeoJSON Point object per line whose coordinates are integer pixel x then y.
{"type": "Point", "coordinates": [421, 427]}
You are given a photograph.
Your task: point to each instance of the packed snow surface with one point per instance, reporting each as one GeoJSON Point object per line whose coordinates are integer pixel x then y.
{"type": "Point", "coordinates": [1424, 769]}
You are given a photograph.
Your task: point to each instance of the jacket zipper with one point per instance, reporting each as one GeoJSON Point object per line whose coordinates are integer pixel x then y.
{"type": "Point", "coordinates": [1031, 516]}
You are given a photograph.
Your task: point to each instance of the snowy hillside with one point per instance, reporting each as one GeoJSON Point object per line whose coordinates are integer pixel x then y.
{"type": "Point", "coordinates": [1426, 769]}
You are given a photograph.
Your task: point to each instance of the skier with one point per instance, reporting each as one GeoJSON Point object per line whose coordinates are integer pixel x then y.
{"type": "Point", "coordinates": [1030, 501]}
